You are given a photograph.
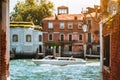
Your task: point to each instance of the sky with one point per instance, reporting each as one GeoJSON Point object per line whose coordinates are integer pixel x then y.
{"type": "Point", "coordinates": [75, 6]}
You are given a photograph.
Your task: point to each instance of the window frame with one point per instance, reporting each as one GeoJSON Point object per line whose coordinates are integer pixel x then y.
{"type": "Point", "coordinates": [89, 21]}
{"type": "Point", "coordinates": [13, 38]}
{"type": "Point", "coordinates": [106, 50]}
{"type": "Point", "coordinates": [51, 37]}
{"type": "Point", "coordinates": [40, 38]}
{"type": "Point", "coordinates": [70, 39]}
{"type": "Point", "coordinates": [61, 37]}
{"type": "Point", "coordinates": [62, 25]}
{"type": "Point", "coordinates": [70, 24]}
{"type": "Point", "coordinates": [89, 36]}
{"type": "Point", "coordinates": [28, 36]}
{"type": "Point", "coordinates": [50, 25]}
{"type": "Point", "coordinates": [80, 35]}
{"type": "Point", "coordinates": [79, 26]}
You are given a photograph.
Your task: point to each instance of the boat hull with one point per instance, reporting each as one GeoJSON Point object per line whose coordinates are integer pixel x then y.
{"type": "Point", "coordinates": [58, 62]}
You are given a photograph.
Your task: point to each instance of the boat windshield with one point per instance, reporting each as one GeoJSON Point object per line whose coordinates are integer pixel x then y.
{"type": "Point", "coordinates": [49, 57]}
{"type": "Point", "coordinates": [70, 59]}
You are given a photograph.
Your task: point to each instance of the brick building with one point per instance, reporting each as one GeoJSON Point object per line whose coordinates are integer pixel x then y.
{"type": "Point", "coordinates": [111, 49]}
{"type": "Point", "coordinates": [111, 38]}
{"type": "Point", "coordinates": [66, 31]}
{"type": "Point", "coordinates": [93, 36]}
{"type": "Point", "coordinates": [4, 40]}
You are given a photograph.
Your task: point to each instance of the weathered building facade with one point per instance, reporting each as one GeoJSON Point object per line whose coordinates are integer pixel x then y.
{"type": "Point", "coordinates": [67, 30]}
{"type": "Point", "coordinates": [111, 49]}
{"type": "Point", "coordinates": [93, 35]}
{"type": "Point", "coordinates": [25, 38]}
{"type": "Point", "coordinates": [111, 38]}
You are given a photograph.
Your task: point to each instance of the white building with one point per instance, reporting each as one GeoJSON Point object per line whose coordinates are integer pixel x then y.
{"type": "Point", "coordinates": [25, 38]}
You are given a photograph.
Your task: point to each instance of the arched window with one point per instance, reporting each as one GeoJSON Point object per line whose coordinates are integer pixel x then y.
{"type": "Point", "coordinates": [70, 37]}
{"type": "Point", "coordinates": [50, 38]}
{"type": "Point", "coordinates": [40, 38]}
{"type": "Point", "coordinates": [15, 38]}
{"type": "Point", "coordinates": [62, 37]}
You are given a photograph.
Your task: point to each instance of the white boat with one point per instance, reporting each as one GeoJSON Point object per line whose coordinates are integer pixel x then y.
{"type": "Point", "coordinates": [59, 61]}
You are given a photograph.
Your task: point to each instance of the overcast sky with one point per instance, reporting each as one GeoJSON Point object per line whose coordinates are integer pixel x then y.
{"type": "Point", "coordinates": [75, 6]}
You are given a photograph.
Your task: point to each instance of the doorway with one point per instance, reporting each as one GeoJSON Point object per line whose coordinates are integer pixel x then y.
{"type": "Point", "coordinates": [40, 49]}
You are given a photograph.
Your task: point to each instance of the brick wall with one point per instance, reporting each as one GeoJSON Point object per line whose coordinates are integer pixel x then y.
{"type": "Point", "coordinates": [56, 28]}
{"type": "Point", "coordinates": [3, 66]}
{"type": "Point", "coordinates": [114, 30]}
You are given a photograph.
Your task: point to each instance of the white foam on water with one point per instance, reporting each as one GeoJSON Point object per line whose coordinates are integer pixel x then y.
{"type": "Point", "coordinates": [93, 64]}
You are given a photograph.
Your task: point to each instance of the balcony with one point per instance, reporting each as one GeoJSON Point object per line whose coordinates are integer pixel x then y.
{"type": "Point", "coordinates": [93, 54]}
{"type": "Point", "coordinates": [93, 43]}
{"type": "Point", "coordinates": [67, 41]}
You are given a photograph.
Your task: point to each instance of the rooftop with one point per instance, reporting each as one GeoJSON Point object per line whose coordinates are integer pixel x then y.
{"type": "Point", "coordinates": [65, 17]}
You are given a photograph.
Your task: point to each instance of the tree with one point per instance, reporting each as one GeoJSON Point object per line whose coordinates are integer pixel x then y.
{"type": "Point", "coordinates": [30, 10]}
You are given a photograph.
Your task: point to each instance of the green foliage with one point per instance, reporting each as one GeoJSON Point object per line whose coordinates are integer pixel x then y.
{"type": "Point", "coordinates": [30, 10]}
{"type": "Point", "coordinates": [52, 44]}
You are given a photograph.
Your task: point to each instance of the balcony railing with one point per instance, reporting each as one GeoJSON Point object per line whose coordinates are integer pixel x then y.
{"type": "Point", "coordinates": [70, 41]}
{"type": "Point", "coordinates": [73, 54]}
{"type": "Point", "coordinates": [93, 53]}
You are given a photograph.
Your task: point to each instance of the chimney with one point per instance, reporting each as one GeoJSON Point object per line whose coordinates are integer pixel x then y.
{"type": "Point", "coordinates": [75, 17]}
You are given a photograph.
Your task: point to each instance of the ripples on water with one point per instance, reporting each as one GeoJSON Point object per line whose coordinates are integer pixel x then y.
{"type": "Point", "coordinates": [27, 70]}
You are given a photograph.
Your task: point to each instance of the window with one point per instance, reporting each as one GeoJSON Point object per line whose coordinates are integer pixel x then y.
{"type": "Point", "coordinates": [98, 49]}
{"type": "Point", "coordinates": [79, 26]}
{"type": "Point", "coordinates": [15, 38]}
{"type": "Point", "coordinates": [50, 25]}
{"type": "Point", "coordinates": [62, 11]}
{"type": "Point", "coordinates": [80, 37]}
{"type": "Point", "coordinates": [89, 23]}
{"type": "Point", "coordinates": [70, 48]}
{"type": "Point", "coordinates": [62, 37]}
{"type": "Point", "coordinates": [89, 37]}
{"type": "Point", "coordinates": [50, 37]}
{"type": "Point", "coordinates": [106, 50]}
{"type": "Point", "coordinates": [70, 26]}
{"type": "Point", "coordinates": [40, 48]}
{"type": "Point", "coordinates": [70, 37]}
{"type": "Point", "coordinates": [28, 38]}
{"type": "Point", "coordinates": [40, 38]}
{"type": "Point", "coordinates": [61, 25]}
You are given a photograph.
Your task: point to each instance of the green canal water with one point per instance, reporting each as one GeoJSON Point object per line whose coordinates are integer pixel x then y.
{"type": "Point", "coordinates": [27, 70]}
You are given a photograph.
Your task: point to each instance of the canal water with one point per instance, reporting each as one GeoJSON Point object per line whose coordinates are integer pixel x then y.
{"type": "Point", "coordinates": [27, 70]}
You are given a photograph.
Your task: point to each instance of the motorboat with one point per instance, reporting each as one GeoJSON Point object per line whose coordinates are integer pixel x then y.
{"type": "Point", "coordinates": [59, 61]}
